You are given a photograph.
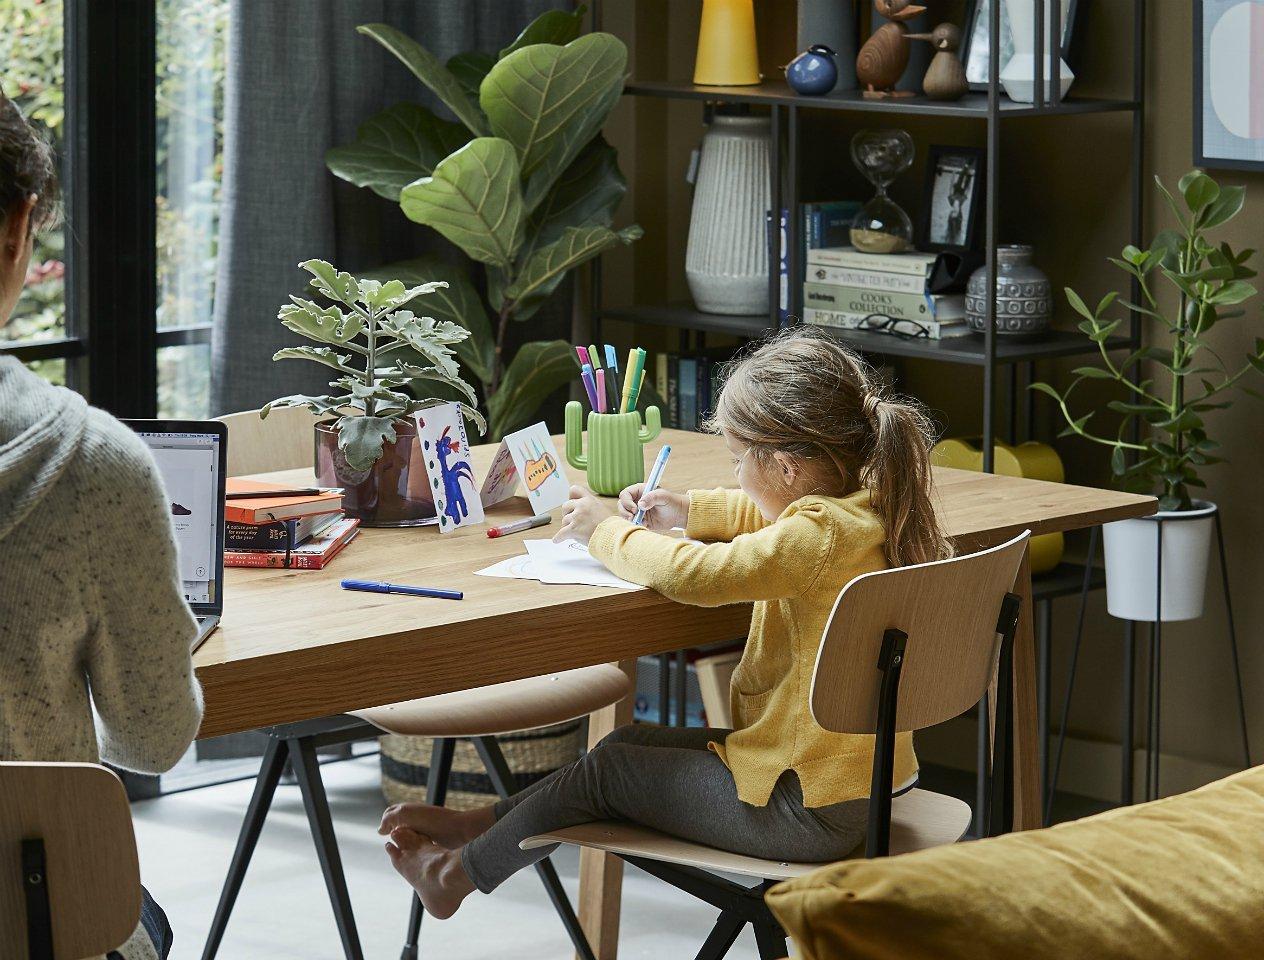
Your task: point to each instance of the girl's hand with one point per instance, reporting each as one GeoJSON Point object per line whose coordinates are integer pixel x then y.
{"type": "Point", "coordinates": [580, 516]}
{"type": "Point", "coordinates": [664, 510]}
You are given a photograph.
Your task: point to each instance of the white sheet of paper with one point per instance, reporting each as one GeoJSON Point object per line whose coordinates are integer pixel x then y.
{"type": "Point", "coordinates": [539, 466]}
{"type": "Point", "coordinates": [521, 567]}
{"type": "Point", "coordinates": [570, 562]}
{"type": "Point", "coordinates": [446, 448]}
{"type": "Point", "coordinates": [502, 478]}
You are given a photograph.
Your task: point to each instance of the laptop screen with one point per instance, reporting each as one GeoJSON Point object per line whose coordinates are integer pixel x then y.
{"type": "Point", "coordinates": [191, 458]}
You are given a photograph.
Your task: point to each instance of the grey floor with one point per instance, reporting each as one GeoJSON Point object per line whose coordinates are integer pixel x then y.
{"type": "Point", "coordinates": [186, 840]}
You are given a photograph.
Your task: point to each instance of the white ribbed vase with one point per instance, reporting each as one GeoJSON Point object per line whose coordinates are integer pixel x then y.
{"type": "Point", "coordinates": [726, 262]}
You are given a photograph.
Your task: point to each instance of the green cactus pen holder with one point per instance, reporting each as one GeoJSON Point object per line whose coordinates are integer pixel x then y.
{"type": "Point", "coordinates": [615, 457]}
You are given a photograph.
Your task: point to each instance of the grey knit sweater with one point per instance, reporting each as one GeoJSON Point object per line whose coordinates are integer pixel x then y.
{"type": "Point", "coordinates": [94, 631]}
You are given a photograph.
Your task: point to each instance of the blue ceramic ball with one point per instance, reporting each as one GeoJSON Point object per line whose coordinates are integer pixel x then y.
{"type": "Point", "coordinates": [813, 72]}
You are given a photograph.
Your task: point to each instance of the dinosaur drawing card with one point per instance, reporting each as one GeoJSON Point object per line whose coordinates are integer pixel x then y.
{"type": "Point", "coordinates": [528, 454]}
{"type": "Point", "coordinates": [441, 431]}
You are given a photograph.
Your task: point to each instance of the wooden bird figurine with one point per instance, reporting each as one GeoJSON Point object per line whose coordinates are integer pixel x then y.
{"type": "Point", "coordinates": [945, 77]}
{"type": "Point", "coordinates": [884, 56]}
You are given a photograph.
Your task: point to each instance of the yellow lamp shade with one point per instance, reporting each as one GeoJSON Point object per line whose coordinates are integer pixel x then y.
{"type": "Point", "coordinates": [727, 54]}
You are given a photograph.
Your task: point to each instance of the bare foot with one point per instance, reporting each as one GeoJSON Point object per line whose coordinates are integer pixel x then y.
{"type": "Point", "coordinates": [435, 873]}
{"type": "Point", "coordinates": [450, 829]}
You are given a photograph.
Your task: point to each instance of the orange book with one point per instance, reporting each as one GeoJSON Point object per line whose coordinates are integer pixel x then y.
{"type": "Point", "coordinates": [267, 510]}
{"type": "Point", "coordinates": [313, 555]}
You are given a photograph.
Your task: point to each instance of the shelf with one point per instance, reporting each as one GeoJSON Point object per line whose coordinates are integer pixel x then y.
{"type": "Point", "coordinates": [685, 316]}
{"type": "Point", "coordinates": [1065, 580]}
{"type": "Point", "coordinates": [778, 93]}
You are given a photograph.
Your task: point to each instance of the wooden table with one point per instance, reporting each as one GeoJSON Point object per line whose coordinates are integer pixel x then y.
{"type": "Point", "coordinates": [294, 646]}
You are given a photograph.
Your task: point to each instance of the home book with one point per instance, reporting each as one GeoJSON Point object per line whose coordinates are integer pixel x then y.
{"type": "Point", "coordinates": [313, 555]}
{"type": "Point", "coordinates": [264, 509]}
{"type": "Point", "coordinates": [842, 320]}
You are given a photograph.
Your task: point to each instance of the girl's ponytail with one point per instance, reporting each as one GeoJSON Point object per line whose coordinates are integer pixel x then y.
{"type": "Point", "coordinates": [897, 473]}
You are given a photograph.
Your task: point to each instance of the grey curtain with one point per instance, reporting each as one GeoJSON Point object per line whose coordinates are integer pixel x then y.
{"type": "Point", "coordinates": [300, 80]}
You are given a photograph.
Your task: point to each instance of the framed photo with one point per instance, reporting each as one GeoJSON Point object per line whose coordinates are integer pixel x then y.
{"type": "Point", "coordinates": [1228, 84]}
{"type": "Point", "coordinates": [974, 45]}
{"type": "Point", "coordinates": [955, 184]}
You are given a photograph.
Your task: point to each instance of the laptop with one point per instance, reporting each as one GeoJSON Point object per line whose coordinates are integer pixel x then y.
{"type": "Point", "coordinates": [192, 456]}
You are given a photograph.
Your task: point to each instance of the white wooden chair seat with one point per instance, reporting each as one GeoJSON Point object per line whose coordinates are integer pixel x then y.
{"type": "Point", "coordinates": [920, 819]}
{"type": "Point", "coordinates": [505, 707]}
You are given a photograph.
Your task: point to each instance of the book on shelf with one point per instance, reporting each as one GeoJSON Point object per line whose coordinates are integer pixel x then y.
{"type": "Point", "coordinates": [265, 509]}
{"type": "Point", "coordinates": [278, 533]}
{"type": "Point", "coordinates": [841, 320]}
{"type": "Point", "coordinates": [824, 223]}
{"type": "Point", "coordinates": [873, 279]}
{"type": "Point", "coordinates": [915, 264]}
{"type": "Point", "coordinates": [691, 386]}
{"type": "Point", "coordinates": [941, 307]}
{"type": "Point", "coordinates": [315, 554]}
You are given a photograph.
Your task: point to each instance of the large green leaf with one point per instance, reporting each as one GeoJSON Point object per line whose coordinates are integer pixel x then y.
{"type": "Point", "coordinates": [474, 199]}
{"type": "Point", "coordinates": [427, 68]}
{"type": "Point", "coordinates": [585, 195]}
{"type": "Point", "coordinates": [538, 368]}
{"type": "Point", "coordinates": [549, 101]}
{"type": "Point", "coordinates": [470, 68]}
{"type": "Point", "coordinates": [552, 26]}
{"type": "Point", "coordinates": [323, 324]}
{"type": "Point", "coordinates": [393, 148]}
{"type": "Point", "coordinates": [459, 303]}
{"type": "Point", "coordinates": [360, 439]}
{"type": "Point", "coordinates": [326, 355]}
{"type": "Point", "coordinates": [545, 268]}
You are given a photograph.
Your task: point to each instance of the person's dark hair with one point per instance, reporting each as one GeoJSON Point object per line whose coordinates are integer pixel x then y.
{"type": "Point", "coordinates": [27, 166]}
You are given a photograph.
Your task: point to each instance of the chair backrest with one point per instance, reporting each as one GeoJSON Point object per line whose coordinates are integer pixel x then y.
{"type": "Point", "coordinates": [79, 811]}
{"type": "Point", "coordinates": [284, 441]}
{"type": "Point", "coordinates": [949, 609]}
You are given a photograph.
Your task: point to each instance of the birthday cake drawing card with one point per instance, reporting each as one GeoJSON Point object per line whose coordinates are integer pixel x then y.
{"type": "Point", "coordinates": [446, 449]}
{"type": "Point", "coordinates": [528, 454]}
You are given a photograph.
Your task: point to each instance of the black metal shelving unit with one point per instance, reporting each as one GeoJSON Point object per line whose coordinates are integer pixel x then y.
{"type": "Point", "coordinates": [993, 352]}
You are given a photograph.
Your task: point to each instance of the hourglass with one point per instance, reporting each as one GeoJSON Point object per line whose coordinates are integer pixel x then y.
{"type": "Point", "coordinates": [881, 226]}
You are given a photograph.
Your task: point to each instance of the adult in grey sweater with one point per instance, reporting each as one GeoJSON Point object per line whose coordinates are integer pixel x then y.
{"type": "Point", "coordinates": [95, 635]}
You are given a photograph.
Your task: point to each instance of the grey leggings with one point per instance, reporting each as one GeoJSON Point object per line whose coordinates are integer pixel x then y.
{"type": "Point", "coordinates": [665, 778]}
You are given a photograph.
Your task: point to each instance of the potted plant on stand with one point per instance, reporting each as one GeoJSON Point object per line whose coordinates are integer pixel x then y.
{"type": "Point", "coordinates": [1187, 379]}
{"type": "Point", "coordinates": [384, 356]}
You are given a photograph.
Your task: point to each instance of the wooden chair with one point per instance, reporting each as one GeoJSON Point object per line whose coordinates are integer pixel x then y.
{"type": "Point", "coordinates": [284, 441]}
{"type": "Point", "coordinates": [69, 877]}
{"type": "Point", "coordinates": [937, 634]}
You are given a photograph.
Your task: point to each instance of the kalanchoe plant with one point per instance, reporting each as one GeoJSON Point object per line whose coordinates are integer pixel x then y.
{"type": "Point", "coordinates": [522, 183]}
{"type": "Point", "coordinates": [385, 356]}
{"type": "Point", "coordinates": [1190, 378]}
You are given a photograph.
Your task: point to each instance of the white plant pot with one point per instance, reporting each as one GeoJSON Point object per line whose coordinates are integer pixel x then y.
{"type": "Point", "coordinates": [726, 261]}
{"type": "Point", "coordinates": [1132, 554]}
{"type": "Point", "coordinates": [1018, 77]}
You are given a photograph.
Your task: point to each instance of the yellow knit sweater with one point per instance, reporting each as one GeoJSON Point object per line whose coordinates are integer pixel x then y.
{"type": "Point", "coordinates": [792, 569]}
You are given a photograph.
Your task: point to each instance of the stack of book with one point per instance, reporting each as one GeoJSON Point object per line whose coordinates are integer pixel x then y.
{"type": "Point", "coordinates": [824, 224]}
{"type": "Point", "coordinates": [848, 289]}
{"type": "Point", "coordinates": [688, 384]}
{"type": "Point", "coordinates": [300, 532]}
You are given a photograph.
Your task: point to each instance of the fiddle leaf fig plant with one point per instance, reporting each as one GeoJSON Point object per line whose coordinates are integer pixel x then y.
{"type": "Point", "coordinates": [522, 183]}
{"type": "Point", "coordinates": [384, 356]}
{"type": "Point", "coordinates": [1208, 282]}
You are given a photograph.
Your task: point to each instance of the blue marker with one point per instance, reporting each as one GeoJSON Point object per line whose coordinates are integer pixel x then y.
{"type": "Point", "coordinates": [611, 360]}
{"type": "Point", "coordinates": [656, 474]}
{"type": "Point", "coordinates": [375, 586]}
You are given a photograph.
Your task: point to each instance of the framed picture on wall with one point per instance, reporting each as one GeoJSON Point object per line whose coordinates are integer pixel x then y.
{"type": "Point", "coordinates": [949, 214]}
{"type": "Point", "coordinates": [974, 46]}
{"type": "Point", "coordinates": [1229, 84]}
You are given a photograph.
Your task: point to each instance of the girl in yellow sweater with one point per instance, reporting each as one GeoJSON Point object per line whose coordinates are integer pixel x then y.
{"type": "Point", "coordinates": [835, 482]}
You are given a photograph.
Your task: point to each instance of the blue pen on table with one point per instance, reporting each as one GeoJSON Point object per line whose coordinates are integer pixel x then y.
{"type": "Point", "coordinates": [656, 474]}
{"type": "Point", "coordinates": [377, 586]}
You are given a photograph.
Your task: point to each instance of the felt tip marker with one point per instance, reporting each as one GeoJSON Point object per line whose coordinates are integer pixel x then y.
{"type": "Point", "coordinates": [656, 475]}
{"type": "Point", "coordinates": [376, 586]}
{"type": "Point", "coordinates": [530, 523]}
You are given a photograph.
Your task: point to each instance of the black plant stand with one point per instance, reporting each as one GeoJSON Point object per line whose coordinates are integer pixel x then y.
{"type": "Point", "coordinates": [1154, 687]}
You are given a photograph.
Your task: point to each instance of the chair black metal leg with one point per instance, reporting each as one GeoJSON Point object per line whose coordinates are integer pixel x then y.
{"type": "Point", "coordinates": [274, 755]}
{"type": "Point", "coordinates": [664, 689]}
{"type": "Point", "coordinates": [436, 793]}
{"type": "Point", "coordinates": [1233, 643]}
{"type": "Point", "coordinates": [1052, 786]}
{"type": "Point", "coordinates": [307, 770]}
{"type": "Point", "coordinates": [722, 937]}
{"type": "Point", "coordinates": [771, 941]}
{"type": "Point", "coordinates": [682, 689]}
{"type": "Point", "coordinates": [502, 780]}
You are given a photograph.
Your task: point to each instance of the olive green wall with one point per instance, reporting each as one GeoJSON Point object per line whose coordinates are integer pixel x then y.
{"type": "Point", "coordinates": [1065, 188]}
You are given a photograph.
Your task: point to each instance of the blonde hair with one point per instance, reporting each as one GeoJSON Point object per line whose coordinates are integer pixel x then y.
{"type": "Point", "coordinates": [804, 394]}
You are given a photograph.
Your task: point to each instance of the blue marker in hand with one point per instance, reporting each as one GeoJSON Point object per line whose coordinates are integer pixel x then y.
{"type": "Point", "coordinates": [656, 474]}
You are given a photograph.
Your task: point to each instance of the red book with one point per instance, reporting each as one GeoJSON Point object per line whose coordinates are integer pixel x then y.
{"type": "Point", "coordinates": [264, 509]}
{"type": "Point", "coordinates": [312, 555]}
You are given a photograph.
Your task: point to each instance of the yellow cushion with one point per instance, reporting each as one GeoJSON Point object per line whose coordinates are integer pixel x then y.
{"type": "Point", "coordinates": [1180, 877]}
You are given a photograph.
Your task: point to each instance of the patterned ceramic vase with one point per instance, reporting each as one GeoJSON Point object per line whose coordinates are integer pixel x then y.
{"type": "Point", "coordinates": [1024, 302]}
{"type": "Point", "coordinates": [616, 444]}
{"type": "Point", "coordinates": [726, 261]}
